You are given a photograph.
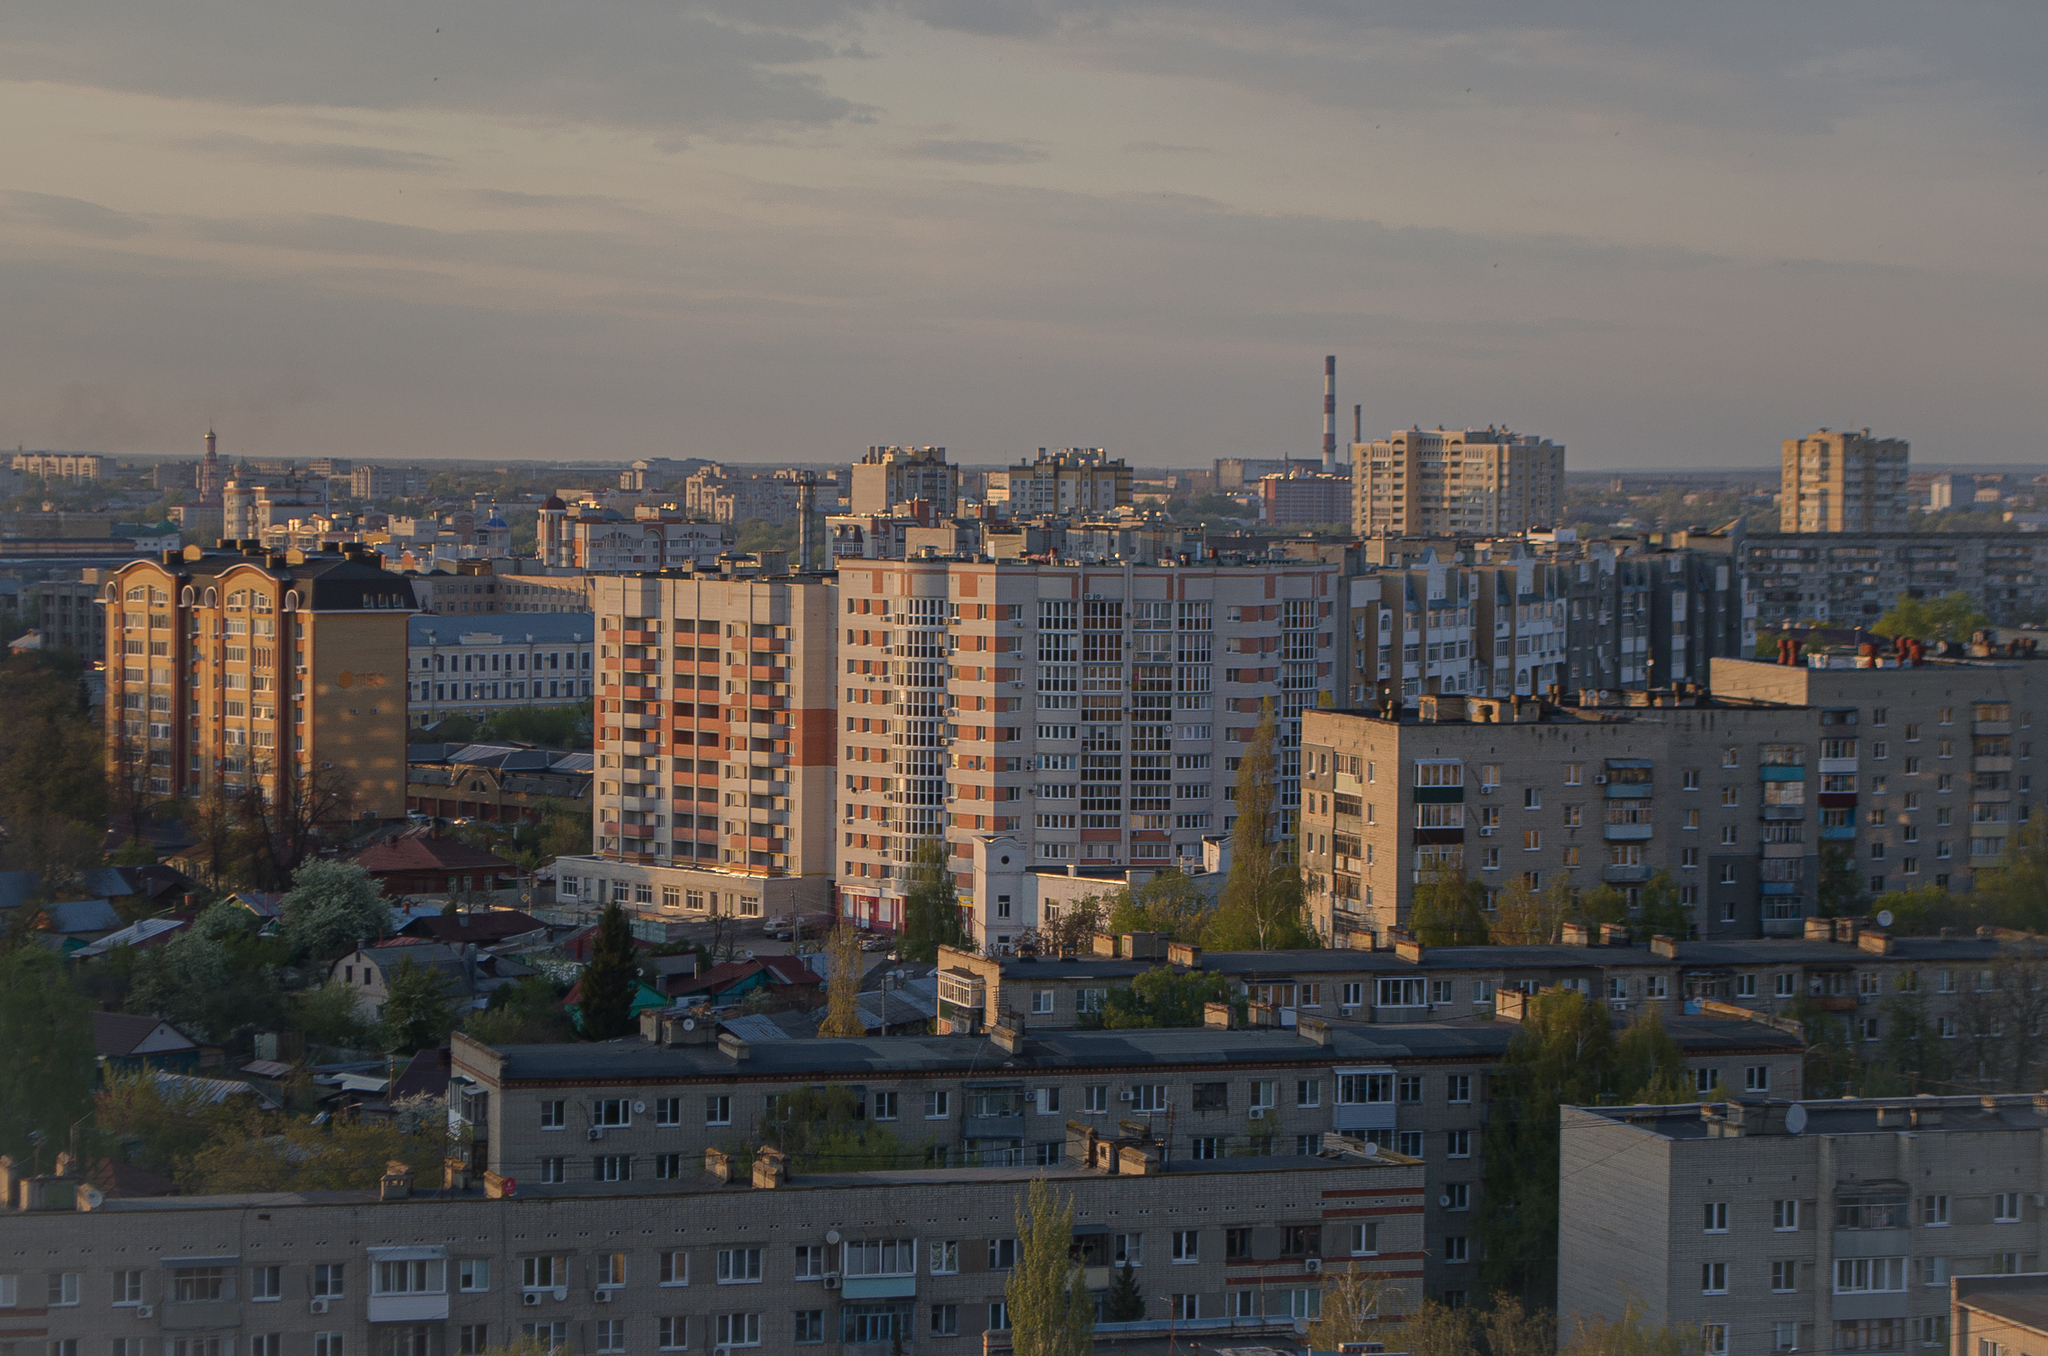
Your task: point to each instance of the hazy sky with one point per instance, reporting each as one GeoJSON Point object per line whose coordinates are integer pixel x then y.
{"type": "Point", "coordinates": [1663, 234]}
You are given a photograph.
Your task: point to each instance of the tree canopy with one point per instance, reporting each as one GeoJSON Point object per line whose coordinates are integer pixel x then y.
{"type": "Point", "coordinates": [931, 904]}
{"type": "Point", "coordinates": [1953, 616]}
{"type": "Point", "coordinates": [1263, 907]}
{"type": "Point", "coordinates": [331, 907]}
{"type": "Point", "coordinates": [1051, 1313]}
{"type": "Point", "coordinates": [610, 981]}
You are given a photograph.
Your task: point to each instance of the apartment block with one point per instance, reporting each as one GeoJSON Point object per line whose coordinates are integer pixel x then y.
{"type": "Point", "coordinates": [887, 478]}
{"type": "Point", "coordinates": [1095, 715]}
{"type": "Point", "coordinates": [1304, 497]}
{"type": "Point", "coordinates": [715, 745]}
{"type": "Point", "coordinates": [1999, 1315]}
{"type": "Point", "coordinates": [1852, 579]}
{"type": "Point", "coordinates": [233, 671]}
{"type": "Point", "coordinates": [501, 585]}
{"type": "Point", "coordinates": [1771, 1225]}
{"type": "Point", "coordinates": [1476, 481]}
{"type": "Point", "coordinates": [59, 465]}
{"type": "Point", "coordinates": [376, 483]}
{"type": "Point", "coordinates": [70, 614]}
{"type": "Point", "coordinates": [1067, 481]}
{"type": "Point", "coordinates": [1531, 792]}
{"type": "Point", "coordinates": [251, 507]}
{"type": "Point", "coordinates": [713, 1257]}
{"type": "Point", "coordinates": [1925, 773]}
{"type": "Point", "coordinates": [573, 1115]}
{"type": "Point", "coordinates": [1843, 481]}
{"type": "Point", "coordinates": [606, 541]}
{"type": "Point", "coordinates": [459, 667]}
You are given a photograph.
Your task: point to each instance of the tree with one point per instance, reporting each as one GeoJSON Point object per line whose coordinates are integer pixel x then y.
{"type": "Point", "coordinates": [215, 978]}
{"type": "Point", "coordinates": [53, 772]}
{"type": "Point", "coordinates": [331, 907]}
{"type": "Point", "coordinates": [1435, 1329]}
{"type": "Point", "coordinates": [1171, 903]}
{"type": "Point", "coordinates": [1125, 1302]}
{"type": "Point", "coordinates": [1660, 908]}
{"type": "Point", "coordinates": [610, 980]}
{"type": "Point", "coordinates": [1263, 906]}
{"type": "Point", "coordinates": [416, 1008]}
{"type": "Point", "coordinates": [1071, 930]}
{"type": "Point", "coordinates": [1051, 1313]}
{"type": "Point", "coordinates": [2014, 894]}
{"type": "Point", "coordinates": [842, 989]}
{"type": "Point", "coordinates": [263, 1152]}
{"type": "Point", "coordinates": [329, 1015]}
{"type": "Point", "coordinates": [46, 1064]}
{"type": "Point", "coordinates": [1649, 1068]}
{"type": "Point", "coordinates": [1526, 917]}
{"type": "Point", "coordinates": [525, 1012]}
{"type": "Point", "coordinates": [281, 829]}
{"type": "Point", "coordinates": [1352, 1300]}
{"type": "Point", "coordinates": [1562, 1055]}
{"type": "Point", "coordinates": [1511, 1328]}
{"type": "Point", "coordinates": [931, 905]}
{"type": "Point", "coordinates": [1953, 616]}
{"type": "Point", "coordinates": [1633, 1334]}
{"type": "Point", "coordinates": [1448, 909]}
{"type": "Point", "coordinates": [1839, 892]}
{"type": "Point", "coordinates": [1163, 996]}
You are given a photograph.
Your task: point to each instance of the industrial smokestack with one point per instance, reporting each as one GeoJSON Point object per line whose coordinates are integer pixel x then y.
{"type": "Point", "coordinates": [1358, 423]}
{"type": "Point", "coordinates": [806, 526]}
{"type": "Point", "coordinates": [1330, 414]}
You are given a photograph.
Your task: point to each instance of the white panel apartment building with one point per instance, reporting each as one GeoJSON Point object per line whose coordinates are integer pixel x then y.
{"type": "Point", "coordinates": [1096, 714]}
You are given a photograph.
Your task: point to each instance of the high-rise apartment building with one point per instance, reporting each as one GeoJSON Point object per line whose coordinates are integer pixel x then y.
{"type": "Point", "coordinates": [604, 540]}
{"type": "Point", "coordinates": [1843, 481]}
{"type": "Point", "coordinates": [1461, 481]}
{"type": "Point", "coordinates": [283, 673]}
{"type": "Point", "coordinates": [1095, 714]}
{"type": "Point", "coordinates": [1843, 579]}
{"type": "Point", "coordinates": [714, 745]}
{"type": "Point", "coordinates": [889, 476]}
{"type": "Point", "coordinates": [1070, 480]}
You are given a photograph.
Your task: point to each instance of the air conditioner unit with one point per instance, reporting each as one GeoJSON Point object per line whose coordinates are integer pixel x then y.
{"type": "Point", "coordinates": [1258, 1113]}
{"type": "Point", "coordinates": [145, 1311]}
{"type": "Point", "coordinates": [1312, 1265]}
{"type": "Point", "coordinates": [1599, 779]}
{"type": "Point", "coordinates": [604, 1297]}
{"type": "Point", "coordinates": [318, 1306]}
{"type": "Point", "coordinates": [531, 1299]}
{"type": "Point", "coordinates": [831, 1280]}
{"type": "Point", "coordinates": [595, 1132]}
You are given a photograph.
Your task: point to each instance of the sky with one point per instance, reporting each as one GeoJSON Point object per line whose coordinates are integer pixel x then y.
{"type": "Point", "coordinates": [1664, 235]}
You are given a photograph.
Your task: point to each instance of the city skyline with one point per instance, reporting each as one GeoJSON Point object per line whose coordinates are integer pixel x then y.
{"type": "Point", "coordinates": [483, 233]}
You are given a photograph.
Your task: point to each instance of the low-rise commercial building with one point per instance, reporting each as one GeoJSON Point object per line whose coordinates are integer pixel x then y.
{"type": "Point", "coordinates": [1777, 1225]}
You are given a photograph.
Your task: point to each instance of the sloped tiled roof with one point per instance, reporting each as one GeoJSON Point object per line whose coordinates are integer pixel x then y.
{"type": "Point", "coordinates": [483, 928]}
{"type": "Point", "coordinates": [82, 915]}
{"type": "Point", "coordinates": [119, 1034]}
{"type": "Point", "coordinates": [420, 851]}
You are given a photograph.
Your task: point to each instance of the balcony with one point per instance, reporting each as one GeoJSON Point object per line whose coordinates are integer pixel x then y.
{"type": "Point", "coordinates": [1837, 831]}
{"type": "Point", "coordinates": [2000, 763]}
{"type": "Point", "coordinates": [408, 1308]}
{"type": "Point", "coordinates": [1783, 812]}
{"type": "Point", "coordinates": [1628, 833]}
{"type": "Point", "coordinates": [1991, 727]}
{"type": "Point", "coordinates": [1624, 875]}
{"type": "Point", "coordinates": [1782, 850]}
{"type": "Point", "coordinates": [639, 665]}
{"type": "Point", "coordinates": [992, 1127]}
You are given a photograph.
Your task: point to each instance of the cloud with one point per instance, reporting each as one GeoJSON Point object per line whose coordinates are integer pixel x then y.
{"type": "Point", "coordinates": [320, 155]}
{"type": "Point", "coordinates": [74, 215]}
{"type": "Point", "coordinates": [1165, 148]}
{"type": "Point", "coordinates": [966, 152]}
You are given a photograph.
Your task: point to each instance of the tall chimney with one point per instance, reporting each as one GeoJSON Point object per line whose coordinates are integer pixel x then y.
{"type": "Point", "coordinates": [806, 512]}
{"type": "Point", "coordinates": [1330, 414]}
{"type": "Point", "coordinates": [1358, 423]}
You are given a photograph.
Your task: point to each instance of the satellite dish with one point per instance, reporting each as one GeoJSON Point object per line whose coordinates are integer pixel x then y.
{"type": "Point", "coordinates": [1884, 918]}
{"type": "Point", "coordinates": [689, 1023]}
{"type": "Point", "coordinates": [639, 1108]}
{"type": "Point", "coordinates": [94, 1198]}
{"type": "Point", "coordinates": [1300, 1327]}
{"type": "Point", "coordinates": [1444, 1201]}
{"type": "Point", "coordinates": [1795, 1120]}
{"type": "Point", "coordinates": [1371, 1149]}
{"type": "Point", "coordinates": [831, 1235]}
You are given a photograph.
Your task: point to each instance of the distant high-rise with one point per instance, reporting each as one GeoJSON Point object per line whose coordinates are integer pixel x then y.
{"type": "Point", "coordinates": [888, 476]}
{"type": "Point", "coordinates": [1843, 482]}
{"type": "Point", "coordinates": [210, 480]}
{"type": "Point", "coordinates": [1481, 480]}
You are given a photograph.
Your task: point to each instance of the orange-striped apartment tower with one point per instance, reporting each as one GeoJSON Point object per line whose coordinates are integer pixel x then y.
{"type": "Point", "coordinates": [242, 668]}
{"type": "Point", "coordinates": [714, 721]}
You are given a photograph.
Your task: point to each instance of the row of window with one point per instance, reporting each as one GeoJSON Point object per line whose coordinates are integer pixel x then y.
{"type": "Point", "coordinates": [216, 1284]}
{"type": "Point", "coordinates": [1866, 1212]}
{"type": "Point", "coordinates": [1859, 1275]}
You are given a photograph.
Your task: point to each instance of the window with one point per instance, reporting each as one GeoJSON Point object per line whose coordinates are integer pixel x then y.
{"type": "Point", "coordinates": [1127, 1249]}
{"type": "Point", "coordinates": [1714, 1339]}
{"type": "Point", "coordinates": [611, 1168]}
{"type": "Point", "coordinates": [128, 1285]}
{"type": "Point", "coordinates": [810, 1326]}
{"type": "Point", "coordinates": [330, 1280]}
{"type": "Point", "coordinates": [668, 1111]}
{"type": "Point", "coordinates": [1457, 1196]}
{"type": "Point", "coordinates": [1716, 1217]}
{"type": "Point", "coordinates": [1934, 1271]}
{"type": "Point", "coordinates": [739, 1330]}
{"type": "Point", "coordinates": [739, 1266]}
{"type": "Point", "coordinates": [425, 1277]}
{"type": "Point", "coordinates": [1308, 1092]}
{"type": "Point", "coordinates": [672, 1334]}
{"type": "Point", "coordinates": [1408, 1142]}
{"type": "Point", "coordinates": [1365, 1239]}
{"type": "Point", "coordinates": [552, 1171]}
{"type": "Point", "coordinates": [543, 1273]}
{"type": "Point", "coordinates": [2005, 1207]}
{"type": "Point", "coordinates": [1756, 1078]}
{"type": "Point", "coordinates": [552, 1116]}
{"type": "Point", "coordinates": [1456, 1249]}
{"type": "Point", "coordinates": [1301, 1240]}
{"type": "Point", "coordinates": [329, 1344]}
{"type": "Point", "coordinates": [63, 1288]}
{"type": "Point", "coordinates": [611, 1270]}
{"type": "Point", "coordinates": [938, 1104]}
{"type": "Point", "coordinates": [1785, 1215]}
{"type": "Point", "coordinates": [1185, 1308]}
{"type": "Point", "coordinates": [945, 1320]}
{"type": "Point", "coordinates": [1148, 1097]}
{"type": "Point", "coordinates": [1934, 1212]}
{"type": "Point", "coordinates": [1187, 1245]}
{"type": "Point", "coordinates": [1713, 1278]}
{"type": "Point", "coordinates": [473, 1275]}
{"type": "Point", "coordinates": [810, 1262]}
{"type": "Point", "coordinates": [1458, 1088]}
{"type": "Point", "coordinates": [1002, 1254]}
{"type": "Point", "coordinates": [1095, 1099]}
{"type": "Point", "coordinates": [718, 1111]}
{"type": "Point", "coordinates": [1532, 798]}
{"type": "Point", "coordinates": [1864, 1275]}
{"type": "Point", "coordinates": [1784, 1278]}
{"type": "Point", "coordinates": [1457, 1144]}
{"type": "Point", "coordinates": [998, 1316]}
{"type": "Point", "coordinates": [611, 1335]}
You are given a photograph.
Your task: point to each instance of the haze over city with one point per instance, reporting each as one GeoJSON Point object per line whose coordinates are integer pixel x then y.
{"type": "Point", "coordinates": [781, 232]}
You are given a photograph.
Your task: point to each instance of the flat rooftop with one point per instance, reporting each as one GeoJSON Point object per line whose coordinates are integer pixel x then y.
{"type": "Point", "coordinates": [1847, 1116]}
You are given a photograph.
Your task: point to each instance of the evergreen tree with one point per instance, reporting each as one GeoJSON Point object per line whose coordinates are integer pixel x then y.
{"type": "Point", "coordinates": [1051, 1313]}
{"type": "Point", "coordinates": [842, 989]}
{"type": "Point", "coordinates": [1562, 1055]}
{"type": "Point", "coordinates": [931, 906]}
{"type": "Point", "coordinates": [1263, 907]}
{"type": "Point", "coordinates": [1125, 1302]}
{"type": "Point", "coordinates": [610, 980]}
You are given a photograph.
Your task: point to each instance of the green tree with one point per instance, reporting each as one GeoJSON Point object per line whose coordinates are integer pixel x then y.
{"type": "Point", "coordinates": [1352, 1301]}
{"type": "Point", "coordinates": [418, 1012]}
{"type": "Point", "coordinates": [1125, 1302]}
{"type": "Point", "coordinates": [46, 1063]}
{"type": "Point", "coordinates": [1448, 910]}
{"type": "Point", "coordinates": [1562, 1055]}
{"type": "Point", "coordinates": [1263, 907]}
{"type": "Point", "coordinates": [1953, 616]}
{"type": "Point", "coordinates": [610, 980]}
{"type": "Point", "coordinates": [53, 776]}
{"type": "Point", "coordinates": [931, 904]}
{"type": "Point", "coordinates": [1649, 1068]}
{"type": "Point", "coordinates": [1660, 908]}
{"type": "Point", "coordinates": [2014, 894]}
{"type": "Point", "coordinates": [214, 979]}
{"type": "Point", "coordinates": [555, 727]}
{"type": "Point", "coordinates": [842, 988]}
{"type": "Point", "coordinates": [525, 1012]}
{"type": "Point", "coordinates": [824, 1130]}
{"type": "Point", "coordinates": [331, 907]}
{"type": "Point", "coordinates": [1051, 1313]}
{"type": "Point", "coordinates": [1911, 1058]}
{"type": "Point", "coordinates": [1635, 1333]}
{"type": "Point", "coordinates": [1163, 996]}
{"type": "Point", "coordinates": [1526, 917]}
{"type": "Point", "coordinates": [329, 1015]}
{"type": "Point", "coordinates": [1830, 1068]}
{"type": "Point", "coordinates": [1171, 902]}
{"type": "Point", "coordinates": [1839, 891]}
{"type": "Point", "coordinates": [1434, 1329]}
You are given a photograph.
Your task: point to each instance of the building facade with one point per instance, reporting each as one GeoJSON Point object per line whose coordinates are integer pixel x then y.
{"type": "Point", "coordinates": [1304, 498]}
{"type": "Point", "coordinates": [715, 745]}
{"type": "Point", "coordinates": [233, 671]}
{"type": "Point", "coordinates": [378, 483]}
{"type": "Point", "coordinates": [1094, 714]}
{"type": "Point", "coordinates": [1476, 481]}
{"type": "Point", "coordinates": [71, 614]}
{"type": "Point", "coordinates": [606, 541]}
{"type": "Point", "coordinates": [888, 477]}
{"type": "Point", "coordinates": [1071, 480]}
{"type": "Point", "coordinates": [501, 585]}
{"type": "Point", "coordinates": [459, 668]}
{"type": "Point", "coordinates": [59, 465]}
{"type": "Point", "coordinates": [1844, 481]}
{"type": "Point", "coordinates": [1843, 579]}
{"type": "Point", "coordinates": [1771, 1225]}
